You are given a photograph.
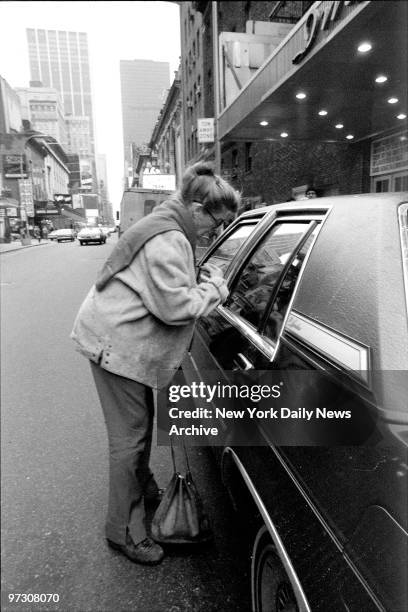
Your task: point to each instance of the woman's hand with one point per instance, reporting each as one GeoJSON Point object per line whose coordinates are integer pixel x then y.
{"type": "Point", "coordinates": [209, 269]}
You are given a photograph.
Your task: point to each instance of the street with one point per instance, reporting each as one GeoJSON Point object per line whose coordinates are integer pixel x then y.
{"type": "Point", "coordinates": [55, 463]}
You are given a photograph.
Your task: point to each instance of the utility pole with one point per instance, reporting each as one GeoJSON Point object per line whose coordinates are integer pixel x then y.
{"type": "Point", "coordinates": [216, 70]}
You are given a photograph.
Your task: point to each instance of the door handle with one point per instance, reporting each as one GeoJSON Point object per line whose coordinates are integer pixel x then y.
{"type": "Point", "coordinates": [242, 362]}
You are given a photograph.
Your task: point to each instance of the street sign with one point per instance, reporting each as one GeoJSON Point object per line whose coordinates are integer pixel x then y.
{"type": "Point", "coordinates": [205, 130]}
{"type": "Point", "coordinates": [26, 196]}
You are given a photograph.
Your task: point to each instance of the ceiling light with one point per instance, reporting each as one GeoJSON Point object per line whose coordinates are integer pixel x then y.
{"type": "Point", "coordinates": [301, 95]}
{"type": "Point", "coordinates": [339, 126]}
{"type": "Point", "coordinates": [401, 116]}
{"type": "Point", "coordinates": [349, 136]}
{"type": "Point", "coordinates": [264, 123]}
{"type": "Point", "coordinates": [381, 78]}
{"type": "Point", "coordinates": [322, 113]}
{"type": "Point", "coordinates": [392, 100]}
{"type": "Point", "coordinates": [364, 47]}
{"type": "Point", "coordinates": [284, 135]}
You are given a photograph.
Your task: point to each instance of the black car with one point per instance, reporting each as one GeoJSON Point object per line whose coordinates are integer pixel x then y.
{"type": "Point", "coordinates": [319, 298]}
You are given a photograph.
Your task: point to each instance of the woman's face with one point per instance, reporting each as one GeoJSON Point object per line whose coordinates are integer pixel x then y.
{"type": "Point", "coordinates": [207, 222]}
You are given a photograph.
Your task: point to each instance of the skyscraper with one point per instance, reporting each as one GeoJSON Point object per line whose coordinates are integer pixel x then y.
{"type": "Point", "coordinates": [144, 85]}
{"type": "Point", "coordinates": [60, 60]}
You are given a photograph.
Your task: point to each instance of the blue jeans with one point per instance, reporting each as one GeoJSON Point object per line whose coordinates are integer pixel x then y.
{"type": "Point", "coordinates": [128, 409]}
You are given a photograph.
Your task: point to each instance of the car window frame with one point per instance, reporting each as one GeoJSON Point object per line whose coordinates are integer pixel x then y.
{"type": "Point", "coordinates": [313, 225]}
{"type": "Point", "coordinates": [223, 237]}
{"type": "Point", "coordinates": [264, 344]}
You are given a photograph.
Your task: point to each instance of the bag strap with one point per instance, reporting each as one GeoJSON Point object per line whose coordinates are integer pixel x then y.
{"type": "Point", "coordinates": [173, 457]}
{"type": "Point", "coordinates": [186, 457]}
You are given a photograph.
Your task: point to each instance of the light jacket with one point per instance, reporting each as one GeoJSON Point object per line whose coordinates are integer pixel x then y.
{"type": "Point", "coordinates": [142, 322]}
{"type": "Point", "coordinates": [170, 215]}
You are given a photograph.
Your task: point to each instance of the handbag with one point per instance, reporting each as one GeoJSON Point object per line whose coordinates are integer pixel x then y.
{"type": "Point", "coordinates": [180, 517]}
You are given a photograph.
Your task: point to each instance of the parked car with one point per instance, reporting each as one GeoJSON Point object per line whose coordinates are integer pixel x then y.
{"type": "Point", "coordinates": [62, 234]}
{"type": "Point", "coordinates": [318, 297]}
{"type": "Point", "coordinates": [91, 234]}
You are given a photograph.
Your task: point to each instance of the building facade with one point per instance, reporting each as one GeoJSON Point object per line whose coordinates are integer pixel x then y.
{"type": "Point", "coordinates": [60, 60]}
{"type": "Point", "coordinates": [106, 210]}
{"type": "Point", "coordinates": [144, 86]}
{"type": "Point", "coordinates": [42, 107]}
{"type": "Point", "coordinates": [309, 94]}
{"type": "Point", "coordinates": [196, 77]}
{"type": "Point", "coordinates": [167, 139]}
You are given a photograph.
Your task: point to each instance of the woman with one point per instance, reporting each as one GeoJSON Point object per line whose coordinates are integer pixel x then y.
{"type": "Point", "coordinates": [135, 325]}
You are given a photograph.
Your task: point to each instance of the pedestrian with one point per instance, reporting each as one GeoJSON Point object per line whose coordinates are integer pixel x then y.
{"type": "Point", "coordinates": [45, 232]}
{"type": "Point", "coordinates": [135, 326]}
{"type": "Point", "coordinates": [311, 193]}
{"type": "Point", "coordinates": [37, 233]}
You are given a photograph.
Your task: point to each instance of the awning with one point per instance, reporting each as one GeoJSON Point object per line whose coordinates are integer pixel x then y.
{"type": "Point", "coordinates": [335, 77]}
{"type": "Point", "coordinates": [9, 203]}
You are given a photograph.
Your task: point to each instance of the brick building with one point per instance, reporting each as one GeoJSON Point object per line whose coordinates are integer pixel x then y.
{"type": "Point", "coordinates": [309, 94]}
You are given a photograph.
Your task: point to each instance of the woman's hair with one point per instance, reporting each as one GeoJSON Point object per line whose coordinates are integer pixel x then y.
{"type": "Point", "coordinates": [200, 184]}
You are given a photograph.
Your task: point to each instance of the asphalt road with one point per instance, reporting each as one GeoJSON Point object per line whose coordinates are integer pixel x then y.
{"type": "Point", "coordinates": [55, 464]}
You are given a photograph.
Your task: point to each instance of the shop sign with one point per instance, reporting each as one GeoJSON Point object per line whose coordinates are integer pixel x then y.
{"type": "Point", "coordinates": [319, 18]}
{"type": "Point", "coordinates": [15, 166]}
{"type": "Point", "coordinates": [166, 182]}
{"type": "Point", "coordinates": [26, 196]}
{"type": "Point", "coordinates": [63, 198]}
{"type": "Point", "coordinates": [205, 130]}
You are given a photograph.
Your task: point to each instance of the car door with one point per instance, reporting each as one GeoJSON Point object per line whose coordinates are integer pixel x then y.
{"type": "Point", "coordinates": [262, 276]}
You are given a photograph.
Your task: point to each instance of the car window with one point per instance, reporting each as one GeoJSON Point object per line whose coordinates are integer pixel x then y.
{"type": "Point", "coordinates": [225, 252]}
{"type": "Point", "coordinates": [260, 275]}
{"type": "Point", "coordinates": [278, 308]}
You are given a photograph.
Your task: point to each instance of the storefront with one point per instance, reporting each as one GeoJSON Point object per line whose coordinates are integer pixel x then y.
{"type": "Point", "coordinates": [9, 218]}
{"type": "Point", "coordinates": [330, 100]}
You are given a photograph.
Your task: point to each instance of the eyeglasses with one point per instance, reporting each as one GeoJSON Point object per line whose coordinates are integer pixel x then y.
{"type": "Point", "coordinates": [217, 222]}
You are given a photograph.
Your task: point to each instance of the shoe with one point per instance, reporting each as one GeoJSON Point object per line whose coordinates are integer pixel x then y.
{"type": "Point", "coordinates": [155, 498]}
{"type": "Point", "coordinates": [145, 552]}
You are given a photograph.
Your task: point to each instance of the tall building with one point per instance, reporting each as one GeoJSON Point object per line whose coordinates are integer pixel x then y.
{"type": "Point", "coordinates": [144, 85]}
{"type": "Point", "coordinates": [60, 60]}
{"type": "Point", "coordinates": [42, 106]}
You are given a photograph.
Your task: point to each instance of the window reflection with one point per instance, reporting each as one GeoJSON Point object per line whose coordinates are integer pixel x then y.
{"type": "Point", "coordinates": [261, 274]}
{"type": "Point", "coordinates": [223, 255]}
{"type": "Point", "coordinates": [283, 297]}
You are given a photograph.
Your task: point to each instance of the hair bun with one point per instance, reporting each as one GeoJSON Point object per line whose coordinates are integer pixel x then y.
{"type": "Point", "coordinates": [204, 169]}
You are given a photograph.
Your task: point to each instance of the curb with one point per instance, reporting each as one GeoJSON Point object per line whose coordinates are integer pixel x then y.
{"type": "Point", "coordinates": [21, 247]}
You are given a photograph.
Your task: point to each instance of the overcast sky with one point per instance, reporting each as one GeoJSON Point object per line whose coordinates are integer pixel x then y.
{"type": "Point", "coordinates": [116, 30]}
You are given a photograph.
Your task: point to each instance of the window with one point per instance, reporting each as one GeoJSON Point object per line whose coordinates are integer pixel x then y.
{"type": "Point", "coordinates": [382, 184]}
{"type": "Point", "coordinates": [261, 274]}
{"type": "Point", "coordinates": [223, 255]}
{"type": "Point", "coordinates": [400, 182]}
{"type": "Point", "coordinates": [280, 304]}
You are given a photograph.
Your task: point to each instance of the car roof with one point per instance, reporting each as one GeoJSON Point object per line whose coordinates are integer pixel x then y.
{"type": "Point", "coordinates": [316, 204]}
{"type": "Point", "coordinates": [351, 283]}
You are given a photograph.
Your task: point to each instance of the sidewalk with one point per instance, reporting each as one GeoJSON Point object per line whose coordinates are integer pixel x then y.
{"type": "Point", "coordinates": [6, 247]}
